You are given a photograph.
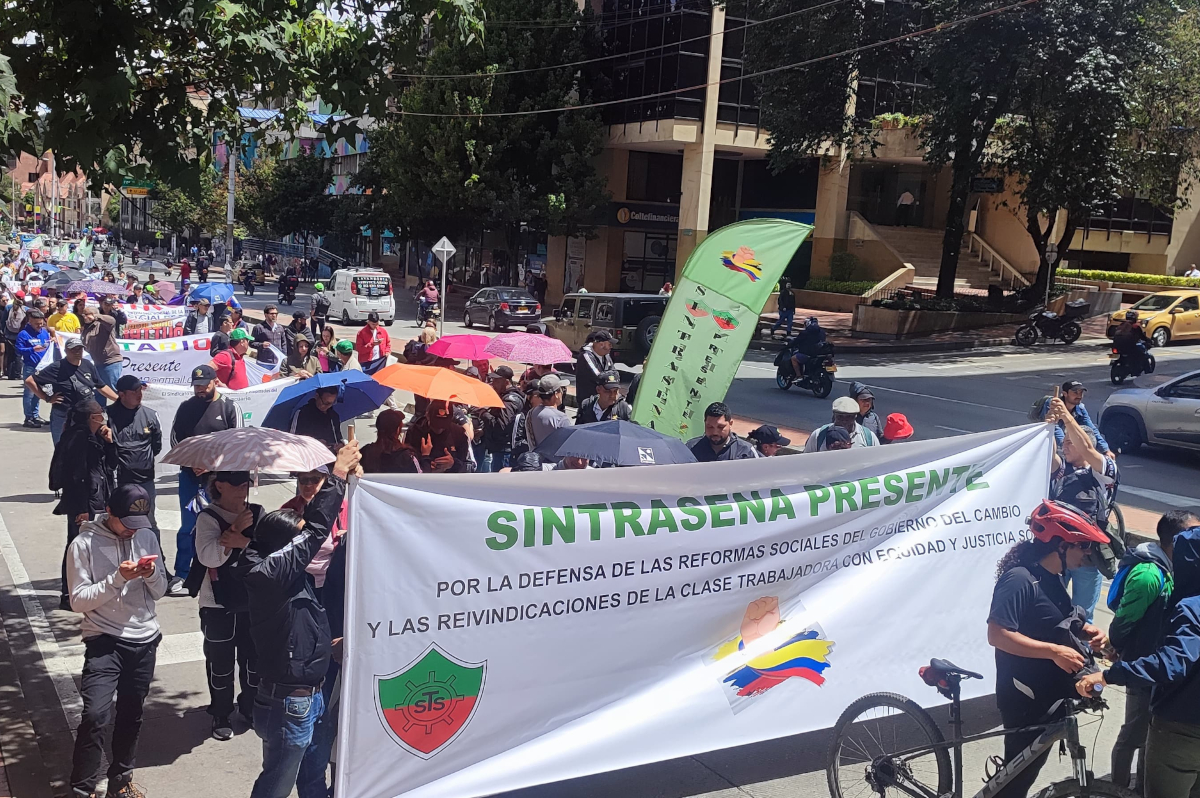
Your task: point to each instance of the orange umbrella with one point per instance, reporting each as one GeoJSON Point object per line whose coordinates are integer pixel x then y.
{"type": "Point", "coordinates": [435, 382]}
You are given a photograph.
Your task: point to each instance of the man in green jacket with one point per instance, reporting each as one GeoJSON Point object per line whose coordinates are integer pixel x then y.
{"type": "Point", "coordinates": [1139, 595]}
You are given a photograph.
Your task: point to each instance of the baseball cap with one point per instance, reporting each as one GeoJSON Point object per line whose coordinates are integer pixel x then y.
{"type": "Point", "coordinates": [551, 383]}
{"type": "Point", "coordinates": [836, 435]}
{"type": "Point", "coordinates": [844, 405]}
{"type": "Point", "coordinates": [770, 435]}
{"type": "Point", "coordinates": [608, 379]}
{"type": "Point", "coordinates": [500, 373]}
{"type": "Point", "coordinates": [129, 382]}
{"type": "Point", "coordinates": [203, 375]}
{"type": "Point", "coordinates": [299, 314]}
{"type": "Point", "coordinates": [344, 347]}
{"type": "Point", "coordinates": [858, 390]}
{"type": "Point", "coordinates": [1073, 385]}
{"type": "Point", "coordinates": [130, 504]}
{"type": "Point", "coordinates": [472, 372]}
{"type": "Point", "coordinates": [238, 334]}
{"type": "Point", "coordinates": [73, 343]}
{"type": "Point", "coordinates": [527, 461]}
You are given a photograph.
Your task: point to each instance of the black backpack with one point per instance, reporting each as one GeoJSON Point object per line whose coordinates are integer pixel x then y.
{"type": "Point", "coordinates": [322, 306]}
{"type": "Point", "coordinates": [227, 586]}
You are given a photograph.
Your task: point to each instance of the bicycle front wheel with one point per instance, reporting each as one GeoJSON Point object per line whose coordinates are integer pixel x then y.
{"type": "Point", "coordinates": [867, 756]}
{"type": "Point", "coordinates": [1096, 789]}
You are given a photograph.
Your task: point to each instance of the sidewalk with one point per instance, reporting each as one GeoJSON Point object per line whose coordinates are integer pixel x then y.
{"type": "Point", "coordinates": [837, 329]}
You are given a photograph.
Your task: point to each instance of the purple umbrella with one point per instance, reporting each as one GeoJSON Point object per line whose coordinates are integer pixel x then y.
{"type": "Point", "coordinates": [93, 287]}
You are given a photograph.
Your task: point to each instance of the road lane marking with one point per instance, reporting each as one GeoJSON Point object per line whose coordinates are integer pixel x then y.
{"type": "Point", "coordinates": [35, 616]}
{"type": "Point", "coordinates": [953, 429]}
{"type": "Point", "coordinates": [1172, 499]}
{"type": "Point", "coordinates": [947, 399]}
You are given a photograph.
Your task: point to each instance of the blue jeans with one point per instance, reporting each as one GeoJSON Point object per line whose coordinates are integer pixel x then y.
{"type": "Point", "coordinates": [492, 462]}
{"type": "Point", "coordinates": [108, 375]}
{"type": "Point", "coordinates": [310, 782]}
{"type": "Point", "coordinates": [286, 727]}
{"type": "Point", "coordinates": [185, 541]}
{"type": "Point", "coordinates": [29, 402]}
{"type": "Point", "coordinates": [788, 316]}
{"type": "Point", "coordinates": [1085, 588]}
{"type": "Point", "coordinates": [58, 421]}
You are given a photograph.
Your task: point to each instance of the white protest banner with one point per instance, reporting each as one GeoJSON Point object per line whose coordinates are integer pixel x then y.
{"type": "Point", "coordinates": [504, 630]}
{"type": "Point", "coordinates": [253, 402]}
{"type": "Point", "coordinates": [168, 361]}
{"type": "Point", "coordinates": [149, 313]}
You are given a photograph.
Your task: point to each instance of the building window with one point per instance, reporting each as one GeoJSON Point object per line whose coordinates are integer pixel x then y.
{"type": "Point", "coordinates": [654, 177]}
{"type": "Point", "coordinates": [33, 177]}
{"type": "Point", "coordinates": [648, 261]}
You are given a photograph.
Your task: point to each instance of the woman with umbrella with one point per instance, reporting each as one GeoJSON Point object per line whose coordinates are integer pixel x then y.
{"type": "Point", "coordinates": [223, 531]}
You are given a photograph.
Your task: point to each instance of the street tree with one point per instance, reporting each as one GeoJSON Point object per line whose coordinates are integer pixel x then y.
{"type": "Point", "coordinates": [253, 188]}
{"type": "Point", "coordinates": [299, 202]}
{"type": "Point", "coordinates": [448, 168]}
{"type": "Point", "coordinates": [120, 88]}
{"type": "Point", "coordinates": [191, 213]}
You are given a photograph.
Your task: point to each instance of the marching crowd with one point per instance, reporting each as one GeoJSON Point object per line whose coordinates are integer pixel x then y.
{"type": "Point", "coordinates": [270, 583]}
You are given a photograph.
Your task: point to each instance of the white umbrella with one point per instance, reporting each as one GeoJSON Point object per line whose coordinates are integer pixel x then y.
{"type": "Point", "coordinates": [250, 449]}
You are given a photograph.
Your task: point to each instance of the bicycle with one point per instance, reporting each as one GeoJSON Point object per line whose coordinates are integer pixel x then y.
{"type": "Point", "coordinates": [919, 764]}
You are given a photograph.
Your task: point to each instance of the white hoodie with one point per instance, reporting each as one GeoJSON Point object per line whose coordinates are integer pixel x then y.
{"type": "Point", "coordinates": [110, 604]}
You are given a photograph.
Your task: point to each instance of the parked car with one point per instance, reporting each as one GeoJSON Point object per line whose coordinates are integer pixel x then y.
{"type": "Point", "coordinates": [501, 307]}
{"type": "Point", "coordinates": [632, 319]}
{"type": "Point", "coordinates": [1166, 316]}
{"type": "Point", "coordinates": [1168, 415]}
{"type": "Point", "coordinates": [353, 293]}
{"type": "Point", "coordinates": [254, 267]}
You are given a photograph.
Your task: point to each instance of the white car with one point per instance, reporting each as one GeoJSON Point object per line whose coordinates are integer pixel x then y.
{"type": "Point", "coordinates": [1167, 414]}
{"type": "Point", "coordinates": [353, 293]}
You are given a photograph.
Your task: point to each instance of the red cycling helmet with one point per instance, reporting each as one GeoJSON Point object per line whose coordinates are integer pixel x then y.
{"type": "Point", "coordinates": [1053, 519]}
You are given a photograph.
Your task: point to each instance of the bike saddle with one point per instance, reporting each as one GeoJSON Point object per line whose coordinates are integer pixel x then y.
{"type": "Point", "coordinates": [947, 668]}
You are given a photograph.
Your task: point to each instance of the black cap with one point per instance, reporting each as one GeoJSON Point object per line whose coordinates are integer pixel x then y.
{"type": "Point", "coordinates": [1072, 385]}
{"type": "Point", "coordinates": [472, 372]}
{"type": "Point", "coordinates": [500, 373]}
{"type": "Point", "coordinates": [836, 435]}
{"type": "Point", "coordinates": [528, 461]}
{"type": "Point", "coordinates": [129, 382]}
{"type": "Point", "coordinates": [203, 375]}
{"type": "Point", "coordinates": [608, 379]}
{"type": "Point", "coordinates": [130, 504]}
{"type": "Point", "coordinates": [372, 316]}
{"type": "Point", "coordinates": [299, 314]}
{"type": "Point", "coordinates": [769, 435]}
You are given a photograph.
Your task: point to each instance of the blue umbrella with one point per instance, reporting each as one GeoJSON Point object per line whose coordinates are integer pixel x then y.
{"type": "Point", "coordinates": [47, 267]}
{"type": "Point", "coordinates": [216, 293]}
{"type": "Point", "coordinates": [621, 443]}
{"type": "Point", "coordinates": [357, 394]}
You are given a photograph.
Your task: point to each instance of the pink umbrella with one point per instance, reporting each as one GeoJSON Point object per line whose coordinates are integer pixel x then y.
{"type": "Point", "coordinates": [165, 290]}
{"type": "Point", "coordinates": [521, 347]}
{"type": "Point", "coordinates": [461, 347]}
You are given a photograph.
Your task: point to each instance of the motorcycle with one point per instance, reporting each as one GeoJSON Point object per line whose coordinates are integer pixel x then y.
{"type": "Point", "coordinates": [819, 369]}
{"type": "Point", "coordinates": [1049, 326]}
{"type": "Point", "coordinates": [1129, 365]}
{"type": "Point", "coordinates": [425, 312]}
{"type": "Point", "coordinates": [287, 292]}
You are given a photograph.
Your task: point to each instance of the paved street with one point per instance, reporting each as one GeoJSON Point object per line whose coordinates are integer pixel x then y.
{"type": "Point", "coordinates": [40, 652]}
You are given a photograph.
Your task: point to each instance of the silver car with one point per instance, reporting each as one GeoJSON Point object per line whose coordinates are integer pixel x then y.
{"type": "Point", "coordinates": [1167, 414]}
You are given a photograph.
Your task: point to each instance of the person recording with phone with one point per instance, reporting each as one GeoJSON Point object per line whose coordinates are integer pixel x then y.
{"type": "Point", "coordinates": [115, 580]}
{"type": "Point", "coordinates": [441, 444]}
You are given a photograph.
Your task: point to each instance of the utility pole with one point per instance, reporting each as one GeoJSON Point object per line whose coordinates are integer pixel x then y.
{"type": "Point", "coordinates": [231, 150]}
{"type": "Point", "coordinates": [54, 201]}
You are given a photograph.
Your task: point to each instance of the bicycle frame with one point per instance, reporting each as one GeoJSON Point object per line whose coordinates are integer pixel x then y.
{"type": "Point", "coordinates": [1066, 730]}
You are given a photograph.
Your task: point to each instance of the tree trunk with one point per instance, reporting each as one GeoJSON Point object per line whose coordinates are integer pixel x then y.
{"type": "Point", "coordinates": [952, 241]}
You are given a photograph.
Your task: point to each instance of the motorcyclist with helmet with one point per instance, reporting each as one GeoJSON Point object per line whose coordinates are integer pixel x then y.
{"type": "Point", "coordinates": [1041, 638]}
{"type": "Point", "coordinates": [805, 344]}
{"type": "Point", "coordinates": [1130, 340]}
{"type": "Point", "coordinates": [428, 297]}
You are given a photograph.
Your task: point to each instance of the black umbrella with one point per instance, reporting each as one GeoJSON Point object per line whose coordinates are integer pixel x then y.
{"type": "Point", "coordinates": [63, 278]}
{"type": "Point", "coordinates": [622, 443]}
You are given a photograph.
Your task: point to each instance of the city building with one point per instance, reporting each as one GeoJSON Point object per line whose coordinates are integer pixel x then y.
{"type": "Point", "coordinates": [65, 205]}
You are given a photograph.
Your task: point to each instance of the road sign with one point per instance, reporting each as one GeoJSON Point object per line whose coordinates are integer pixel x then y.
{"type": "Point", "coordinates": [136, 188]}
{"type": "Point", "coordinates": [444, 249]}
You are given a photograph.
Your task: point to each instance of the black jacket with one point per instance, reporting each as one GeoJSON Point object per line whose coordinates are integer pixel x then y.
{"type": "Point", "coordinates": [81, 468]}
{"type": "Point", "coordinates": [138, 436]}
{"type": "Point", "coordinates": [497, 422]}
{"type": "Point", "coordinates": [620, 410]}
{"type": "Point", "coordinates": [588, 366]}
{"type": "Point", "coordinates": [288, 624]}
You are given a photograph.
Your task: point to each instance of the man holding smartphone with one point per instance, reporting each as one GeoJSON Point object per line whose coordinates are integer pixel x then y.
{"type": "Point", "coordinates": [115, 580]}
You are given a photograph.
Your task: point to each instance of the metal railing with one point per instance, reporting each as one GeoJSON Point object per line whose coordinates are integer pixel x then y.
{"type": "Point", "coordinates": [996, 263]}
{"type": "Point", "coordinates": [265, 247]}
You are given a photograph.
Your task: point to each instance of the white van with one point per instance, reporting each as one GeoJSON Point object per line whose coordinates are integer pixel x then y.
{"type": "Point", "coordinates": [353, 293]}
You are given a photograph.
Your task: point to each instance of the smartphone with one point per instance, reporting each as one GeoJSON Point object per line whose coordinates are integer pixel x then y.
{"type": "Point", "coordinates": [147, 560]}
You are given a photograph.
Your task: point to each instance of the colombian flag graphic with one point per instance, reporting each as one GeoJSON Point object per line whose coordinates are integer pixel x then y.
{"type": "Point", "coordinates": [743, 261]}
{"type": "Point", "coordinates": [803, 656]}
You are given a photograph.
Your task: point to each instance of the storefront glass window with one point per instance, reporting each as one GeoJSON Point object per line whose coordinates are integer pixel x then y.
{"type": "Point", "coordinates": [648, 261]}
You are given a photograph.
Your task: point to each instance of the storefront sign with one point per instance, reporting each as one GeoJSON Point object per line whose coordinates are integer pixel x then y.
{"type": "Point", "coordinates": [508, 630]}
{"type": "Point", "coordinates": [649, 217]}
{"type": "Point", "coordinates": [987, 185]}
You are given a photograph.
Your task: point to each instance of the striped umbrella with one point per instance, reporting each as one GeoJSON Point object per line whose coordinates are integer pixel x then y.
{"type": "Point", "coordinates": [521, 347]}
{"type": "Point", "coordinates": [93, 287]}
{"type": "Point", "coordinates": [250, 449]}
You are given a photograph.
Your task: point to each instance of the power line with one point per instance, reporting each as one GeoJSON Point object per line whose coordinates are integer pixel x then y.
{"type": "Point", "coordinates": [659, 11]}
{"type": "Point", "coordinates": [819, 59]}
{"type": "Point", "coordinates": [664, 46]}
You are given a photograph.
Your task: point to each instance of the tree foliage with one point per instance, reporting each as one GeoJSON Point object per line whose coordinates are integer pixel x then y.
{"type": "Point", "coordinates": [298, 201]}
{"type": "Point", "coordinates": [253, 188]}
{"type": "Point", "coordinates": [447, 175]}
{"type": "Point", "coordinates": [185, 212]}
{"type": "Point", "coordinates": [122, 87]}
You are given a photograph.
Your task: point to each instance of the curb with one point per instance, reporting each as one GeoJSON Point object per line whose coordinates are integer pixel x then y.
{"type": "Point", "coordinates": [866, 347]}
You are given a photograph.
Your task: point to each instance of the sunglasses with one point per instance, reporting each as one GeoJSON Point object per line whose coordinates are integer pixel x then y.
{"type": "Point", "coordinates": [233, 479]}
{"type": "Point", "coordinates": [1085, 546]}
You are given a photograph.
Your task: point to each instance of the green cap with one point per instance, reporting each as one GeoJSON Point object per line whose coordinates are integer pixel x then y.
{"type": "Point", "coordinates": [344, 347]}
{"type": "Point", "coordinates": [238, 334]}
{"type": "Point", "coordinates": [318, 286]}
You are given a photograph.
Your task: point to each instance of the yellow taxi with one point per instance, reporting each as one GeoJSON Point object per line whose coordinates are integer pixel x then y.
{"type": "Point", "coordinates": [1165, 316]}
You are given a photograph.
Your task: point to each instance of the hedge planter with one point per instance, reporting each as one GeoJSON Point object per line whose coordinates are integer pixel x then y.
{"type": "Point", "coordinates": [885, 324]}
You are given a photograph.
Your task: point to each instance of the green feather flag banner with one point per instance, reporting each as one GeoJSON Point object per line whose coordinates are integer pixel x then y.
{"type": "Point", "coordinates": [712, 315]}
